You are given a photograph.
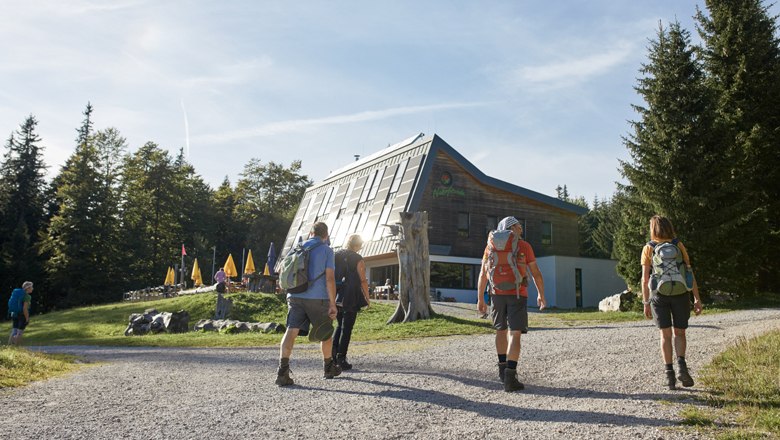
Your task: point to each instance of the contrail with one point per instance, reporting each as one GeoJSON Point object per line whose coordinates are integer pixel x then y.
{"type": "Point", "coordinates": [186, 130]}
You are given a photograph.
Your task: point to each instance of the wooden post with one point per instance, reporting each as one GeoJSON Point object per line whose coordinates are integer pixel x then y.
{"type": "Point", "coordinates": [224, 306]}
{"type": "Point", "coordinates": [414, 269]}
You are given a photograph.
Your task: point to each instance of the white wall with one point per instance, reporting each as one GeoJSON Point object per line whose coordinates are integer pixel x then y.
{"type": "Point", "coordinates": [599, 280]}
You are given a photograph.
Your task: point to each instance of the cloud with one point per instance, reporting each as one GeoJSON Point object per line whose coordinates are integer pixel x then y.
{"type": "Point", "coordinates": [573, 71]}
{"type": "Point", "coordinates": [294, 125]}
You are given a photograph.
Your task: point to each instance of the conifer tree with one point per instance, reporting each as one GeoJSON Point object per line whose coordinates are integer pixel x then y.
{"type": "Point", "coordinates": [85, 262]}
{"type": "Point", "coordinates": [741, 55]}
{"type": "Point", "coordinates": [22, 204]}
{"type": "Point", "coordinates": [675, 169]}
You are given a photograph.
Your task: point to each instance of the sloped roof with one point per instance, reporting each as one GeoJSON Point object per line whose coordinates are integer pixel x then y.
{"type": "Point", "coordinates": [364, 194]}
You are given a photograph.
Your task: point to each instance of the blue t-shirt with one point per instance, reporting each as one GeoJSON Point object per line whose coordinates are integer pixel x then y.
{"type": "Point", "coordinates": [320, 258]}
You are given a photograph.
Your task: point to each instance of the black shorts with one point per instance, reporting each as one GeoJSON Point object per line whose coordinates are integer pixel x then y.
{"type": "Point", "coordinates": [671, 311]}
{"type": "Point", "coordinates": [19, 322]}
{"type": "Point", "coordinates": [509, 311]}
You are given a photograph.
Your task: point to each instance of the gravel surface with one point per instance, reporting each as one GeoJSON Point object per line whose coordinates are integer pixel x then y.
{"type": "Point", "coordinates": [601, 381]}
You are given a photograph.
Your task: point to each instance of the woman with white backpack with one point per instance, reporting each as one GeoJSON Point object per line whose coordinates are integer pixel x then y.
{"type": "Point", "coordinates": [667, 279]}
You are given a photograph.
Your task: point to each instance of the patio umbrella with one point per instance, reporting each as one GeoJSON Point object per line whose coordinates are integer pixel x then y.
{"type": "Point", "coordinates": [271, 259]}
{"type": "Point", "coordinates": [170, 277]}
{"type": "Point", "coordinates": [250, 263]}
{"type": "Point", "coordinates": [230, 267]}
{"type": "Point", "coordinates": [196, 277]}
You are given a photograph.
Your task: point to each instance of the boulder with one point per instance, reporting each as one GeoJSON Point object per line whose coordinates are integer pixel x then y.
{"type": "Point", "coordinates": [617, 303]}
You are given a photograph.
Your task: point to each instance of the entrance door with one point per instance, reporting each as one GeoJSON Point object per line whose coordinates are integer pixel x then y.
{"type": "Point", "coordinates": [578, 287]}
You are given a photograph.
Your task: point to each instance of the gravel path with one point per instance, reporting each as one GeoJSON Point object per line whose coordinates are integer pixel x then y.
{"type": "Point", "coordinates": [602, 381]}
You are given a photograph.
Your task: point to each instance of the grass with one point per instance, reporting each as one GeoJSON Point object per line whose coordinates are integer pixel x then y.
{"type": "Point", "coordinates": [105, 324]}
{"type": "Point", "coordinates": [743, 388]}
{"type": "Point", "coordinates": [19, 366]}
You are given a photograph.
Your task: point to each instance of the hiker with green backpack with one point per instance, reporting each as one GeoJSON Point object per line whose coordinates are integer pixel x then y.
{"type": "Point", "coordinates": [19, 311]}
{"type": "Point", "coordinates": [667, 280]}
{"type": "Point", "coordinates": [307, 276]}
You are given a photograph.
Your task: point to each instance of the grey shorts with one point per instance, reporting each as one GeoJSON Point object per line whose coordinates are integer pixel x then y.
{"type": "Point", "coordinates": [304, 312]}
{"type": "Point", "coordinates": [671, 311]}
{"type": "Point", "coordinates": [509, 311]}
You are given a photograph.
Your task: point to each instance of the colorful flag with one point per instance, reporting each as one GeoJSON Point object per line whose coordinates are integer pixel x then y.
{"type": "Point", "coordinates": [183, 251]}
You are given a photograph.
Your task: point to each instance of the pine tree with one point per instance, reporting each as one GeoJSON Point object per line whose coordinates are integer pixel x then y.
{"type": "Point", "coordinates": [741, 55]}
{"type": "Point", "coordinates": [22, 203]}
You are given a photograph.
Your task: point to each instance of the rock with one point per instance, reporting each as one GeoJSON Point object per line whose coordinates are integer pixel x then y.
{"type": "Point", "coordinates": [616, 303]}
{"type": "Point", "coordinates": [179, 322]}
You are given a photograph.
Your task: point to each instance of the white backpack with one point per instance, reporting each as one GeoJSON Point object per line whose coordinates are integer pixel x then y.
{"type": "Point", "coordinates": [669, 274]}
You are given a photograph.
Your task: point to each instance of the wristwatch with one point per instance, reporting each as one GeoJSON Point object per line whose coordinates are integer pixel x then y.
{"type": "Point", "coordinates": [646, 302]}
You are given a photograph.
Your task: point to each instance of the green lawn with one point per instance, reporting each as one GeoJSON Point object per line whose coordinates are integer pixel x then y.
{"type": "Point", "coordinates": [19, 366]}
{"type": "Point", "coordinates": [105, 324]}
{"type": "Point", "coordinates": [743, 391]}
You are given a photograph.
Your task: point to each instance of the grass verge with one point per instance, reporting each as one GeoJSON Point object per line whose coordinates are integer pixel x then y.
{"type": "Point", "coordinates": [19, 366]}
{"type": "Point", "coordinates": [743, 391]}
{"type": "Point", "coordinates": [105, 324]}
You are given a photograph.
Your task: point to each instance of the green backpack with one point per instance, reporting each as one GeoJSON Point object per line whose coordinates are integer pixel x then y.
{"type": "Point", "coordinates": [669, 274]}
{"type": "Point", "coordinates": [294, 274]}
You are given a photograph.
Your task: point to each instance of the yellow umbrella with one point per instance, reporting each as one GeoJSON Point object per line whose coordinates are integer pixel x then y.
{"type": "Point", "coordinates": [250, 264]}
{"type": "Point", "coordinates": [170, 277]}
{"type": "Point", "coordinates": [230, 267]}
{"type": "Point", "coordinates": [196, 277]}
{"type": "Point", "coordinates": [266, 271]}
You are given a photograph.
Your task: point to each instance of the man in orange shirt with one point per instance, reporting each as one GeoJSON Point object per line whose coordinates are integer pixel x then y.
{"type": "Point", "coordinates": [509, 308]}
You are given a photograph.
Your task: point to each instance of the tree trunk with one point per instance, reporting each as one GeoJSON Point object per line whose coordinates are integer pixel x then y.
{"type": "Point", "coordinates": [414, 300]}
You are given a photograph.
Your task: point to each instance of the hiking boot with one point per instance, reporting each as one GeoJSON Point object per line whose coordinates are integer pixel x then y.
{"type": "Point", "coordinates": [670, 380]}
{"type": "Point", "coordinates": [510, 381]}
{"type": "Point", "coordinates": [501, 369]}
{"type": "Point", "coordinates": [331, 369]}
{"type": "Point", "coordinates": [283, 378]}
{"type": "Point", "coordinates": [343, 364]}
{"type": "Point", "coordinates": [685, 377]}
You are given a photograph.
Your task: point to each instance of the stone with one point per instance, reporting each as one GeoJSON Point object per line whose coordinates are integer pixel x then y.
{"type": "Point", "coordinates": [617, 303]}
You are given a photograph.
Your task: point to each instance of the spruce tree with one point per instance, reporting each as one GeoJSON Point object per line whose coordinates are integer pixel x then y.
{"type": "Point", "coordinates": [676, 169]}
{"type": "Point", "coordinates": [85, 262]}
{"type": "Point", "coordinates": [22, 210]}
{"type": "Point", "coordinates": [741, 56]}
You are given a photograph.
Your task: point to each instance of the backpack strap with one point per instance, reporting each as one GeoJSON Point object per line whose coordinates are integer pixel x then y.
{"type": "Point", "coordinates": [652, 244]}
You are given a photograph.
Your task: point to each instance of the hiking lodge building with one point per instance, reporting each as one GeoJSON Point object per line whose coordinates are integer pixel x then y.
{"type": "Point", "coordinates": [424, 173]}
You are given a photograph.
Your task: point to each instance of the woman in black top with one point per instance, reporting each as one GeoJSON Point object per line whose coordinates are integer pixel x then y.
{"type": "Point", "coordinates": [351, 295]}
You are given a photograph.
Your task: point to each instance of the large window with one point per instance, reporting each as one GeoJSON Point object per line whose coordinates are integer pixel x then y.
{"type": "Point", "coordinates": [547, 233]}
{"type": "Point", "coordinates": [454, 275]}
{"type": "Point", "coordinates": [491, 223]}
{"type": "Point", "coordinates": [463, 224]}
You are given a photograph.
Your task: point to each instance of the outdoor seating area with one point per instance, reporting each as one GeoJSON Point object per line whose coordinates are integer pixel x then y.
{"type": "Point", "coordinates": [384, 292]}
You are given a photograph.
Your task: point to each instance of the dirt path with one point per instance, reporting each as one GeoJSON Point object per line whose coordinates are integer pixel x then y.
{"type": "Point", "coordinates": [602, 381]}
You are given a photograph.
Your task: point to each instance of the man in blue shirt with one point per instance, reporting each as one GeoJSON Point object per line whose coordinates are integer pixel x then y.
{"type": "Point", "coordinates": [316, 307]}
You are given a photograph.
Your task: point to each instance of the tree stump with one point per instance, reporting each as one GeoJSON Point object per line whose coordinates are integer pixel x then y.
{"type": "Point", "coordinates": [224, 306]}
{"type": "Point", "coordinates": [414, 269]}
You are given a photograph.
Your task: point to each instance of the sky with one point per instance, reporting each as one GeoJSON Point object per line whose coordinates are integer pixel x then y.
{"type": "Point", "coordinates": [535, 93]}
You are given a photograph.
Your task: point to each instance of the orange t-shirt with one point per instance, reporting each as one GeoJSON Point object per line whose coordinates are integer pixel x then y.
{"type": "Point", "coordinates": [647, 253]}
{"type": "Point", "coordinates": [525, 256]}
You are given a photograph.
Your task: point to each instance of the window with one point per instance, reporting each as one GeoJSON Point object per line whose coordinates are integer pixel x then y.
{"type": "Point", "coordinates": [327, 202]}
{"type": "Point", "coordinates": [491, 223]}
{"type": "Point", "coordinates": [463, 224]}
{"type": "Point", "coordinates": [399, 174]}
{"type": "Point", "coordinates": [546, 233]}
{"type": "Point", "coordinates": [453, 275]}
{"type": "Point", "coordinates": [345, 202]}
{"type": "Point", "coordinates": [380, 230]}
